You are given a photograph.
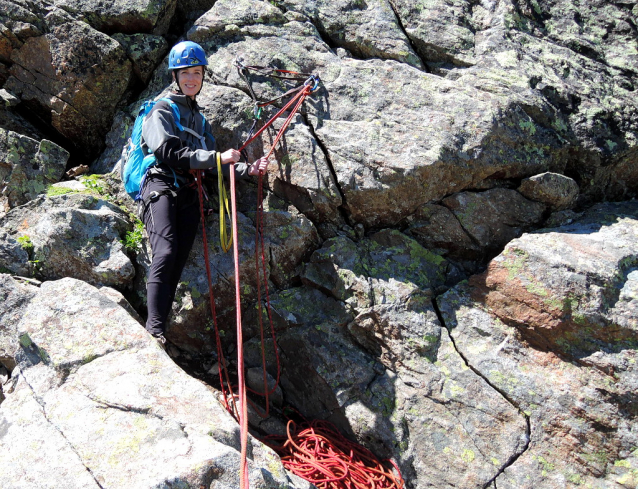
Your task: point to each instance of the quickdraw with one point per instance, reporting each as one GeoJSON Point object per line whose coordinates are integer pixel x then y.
{"type": "Point", "coordinates": [300, 92]}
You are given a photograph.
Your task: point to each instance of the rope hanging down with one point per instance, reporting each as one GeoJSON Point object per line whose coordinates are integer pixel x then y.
{"type": "Point", "coordinates": [316, 452]}
{"type": "Point", "coordinates": [237, 404]}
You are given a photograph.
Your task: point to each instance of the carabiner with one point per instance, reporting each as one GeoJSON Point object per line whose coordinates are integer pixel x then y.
{"type": "Point", "coordinates": [257, 111]}
{"type": "Point", "coordinates": [314, 79]}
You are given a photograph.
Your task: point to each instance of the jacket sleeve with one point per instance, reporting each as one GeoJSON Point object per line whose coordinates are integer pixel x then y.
{"type": "Point", "coordinates": [241, 169]}
{"type": "Point", "coordinates": [160, 134]}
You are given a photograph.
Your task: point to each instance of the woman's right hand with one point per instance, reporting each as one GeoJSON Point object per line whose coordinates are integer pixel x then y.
{"type": "Point", "coordinates": [230, 156]}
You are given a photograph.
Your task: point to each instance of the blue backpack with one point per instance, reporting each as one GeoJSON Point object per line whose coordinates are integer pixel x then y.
{"type": "Point", "coordinates": [135, 162]}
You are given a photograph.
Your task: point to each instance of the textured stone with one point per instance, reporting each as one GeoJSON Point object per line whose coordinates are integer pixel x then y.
{"type": "Point", "coordinates": [111, 409]}
{"type": "Point", "coordinates": [366, 29]}
{"type": "Point", "coordinates": [145, 51]}
{"type": "Point", "coordinates": [136, 16]}
{"type": "Point", "coordinates": [72, 76]}
{"type": "Point", "coordinates": [397, 177]}
{"type": "Point", "coordinates": [15, 295]}
{"type": "Point", "coordinates": [70, 235]}
{"type": "Point", "coordinates": [581, 417]}
{"type": "Point", "coordinates": [557, 191]}
{"type": "Point", "coordinates": [28, 167]}
{"type": "Point", "coordinates": [494, 217]}
{"type": "Point", "coordinates": [561, 286]}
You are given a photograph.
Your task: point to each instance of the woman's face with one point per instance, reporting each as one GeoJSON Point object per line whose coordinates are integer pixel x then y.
{"type": "Point", "coordinates": [190, 80]}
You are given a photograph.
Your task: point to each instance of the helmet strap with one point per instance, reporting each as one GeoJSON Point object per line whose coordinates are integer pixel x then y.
{"type": "Point", "coordinates": [176, 81]}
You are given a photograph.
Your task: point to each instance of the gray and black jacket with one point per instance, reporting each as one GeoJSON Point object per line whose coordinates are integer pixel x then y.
{"type": "Point", "coordinates": [181, 151]}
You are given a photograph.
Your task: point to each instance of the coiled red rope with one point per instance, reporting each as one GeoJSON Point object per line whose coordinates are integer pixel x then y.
{"type": "Point", "coordinates": [318, 453]}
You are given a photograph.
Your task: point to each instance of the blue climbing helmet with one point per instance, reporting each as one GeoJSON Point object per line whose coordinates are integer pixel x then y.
{"type": "Point", "coordinates": [186, 54]}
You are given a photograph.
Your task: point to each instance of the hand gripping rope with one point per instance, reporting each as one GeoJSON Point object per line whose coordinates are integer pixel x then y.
{"type": "Point", "coordinates": [316, 451]}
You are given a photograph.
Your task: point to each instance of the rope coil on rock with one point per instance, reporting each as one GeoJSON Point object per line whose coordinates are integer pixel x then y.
{"type": "Point", "coordinates": [318, 453]}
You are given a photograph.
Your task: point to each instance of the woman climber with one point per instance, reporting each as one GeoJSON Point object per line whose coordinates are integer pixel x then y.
{"type": "Point", "coordinates": [170, 202]}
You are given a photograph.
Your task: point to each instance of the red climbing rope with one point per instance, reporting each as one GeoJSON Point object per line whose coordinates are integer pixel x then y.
{"type": "Point", "coordinates": [260, 257]}
{"type": "Point", "coordinates": [243, 408]}
{"type": "Point", "coordinates": [315, 450]}
{"type": "Point", "coordinates": [318, 453]}
{"type": "Point", "coordinates": [223, 372]}
{"type": "Point", "coordinates": [237, 404]}
{"type": "Point", "coordinates": [299, 97]}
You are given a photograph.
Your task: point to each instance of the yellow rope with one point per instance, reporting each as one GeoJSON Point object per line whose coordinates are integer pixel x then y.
{"type": "Point", "coordinates": [225, 238]}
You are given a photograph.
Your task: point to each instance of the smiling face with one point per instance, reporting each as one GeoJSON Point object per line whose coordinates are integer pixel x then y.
{"type": "Point", "coordinates": [190, 80]}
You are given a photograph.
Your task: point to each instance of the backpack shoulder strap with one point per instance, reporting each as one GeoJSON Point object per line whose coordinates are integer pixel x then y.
{"type": "Point", "coordinates": [175, 109]}
{"type": "Point", "coordinates": [176, 116]}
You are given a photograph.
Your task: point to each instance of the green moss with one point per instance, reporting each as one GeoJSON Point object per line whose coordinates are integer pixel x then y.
{"type": "Point", "coordinates": [579, 318]}
{"type": "Point", "coordinates": [597, 457]}
{"type": "Point", "coordinates": [25, 340]}
{"type": "Point", "coordinates": [456, 390]}
{"type": "Point", "coordinates": [528, 126]}
{"type": "Point", "coordinates": [502, 380]}
{"type": "Point", "coordinates": [622, 463]}
{"type": "Point", "coordinates": [575, 479]}
{"type": "Point", "coordinates": [559, 125]}
{"type": "Point", "coordinates": [388, 405]}
{"type": "Point", "coordinates": [554, 303]}
{"type": "Point", "coordinates": [514, 262]}
{"type": "Point", "coordinates": [88, 358]}
{"type": "Point", "coordinates": [547, 467]}
{"type": "Point", "coordinates": [96, 184]}
{"type": "Point", "coordinates": [55, 191]}
{"type": "Point", "coordinates": [133, 239]}
{"type": "Point", "coordinates": [418, 252]}
{"type": "Point", "coordinates": [536, 289]}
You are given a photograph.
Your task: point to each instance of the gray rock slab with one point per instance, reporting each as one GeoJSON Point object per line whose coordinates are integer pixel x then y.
{"type": "Point", "coordinates": [556, 335]}
{"type": "Point", "coordinates": [70, 235]}
{"type": "Point", "coordinates": [94, 387]}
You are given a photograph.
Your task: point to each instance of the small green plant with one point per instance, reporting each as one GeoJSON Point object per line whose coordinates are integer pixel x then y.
{"type": "Point", "coordinates": [133, 239]}
{"type": "Point", "coordinates": [94, 182]}
{"type": "Point", "coordinates": [25, 243]}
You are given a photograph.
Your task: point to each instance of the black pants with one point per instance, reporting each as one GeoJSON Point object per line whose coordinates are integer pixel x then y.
{"type": "Point", "coordinates": [171, 222]}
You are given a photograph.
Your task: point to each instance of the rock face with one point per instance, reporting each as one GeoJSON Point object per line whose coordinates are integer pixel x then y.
{"type": "Point", "coordinates": [15, 298]}
{"type": "Point", "coordinates": [100, 399]}
{"type": "Point", "coordinates": [557, 191]}
{"type": "Point", "coordinates": [577, 310]}
{"type": "Point", "coordinates": [572, 372]}
{"type": "Point", "coordinates": [449, 242]}
{"type": "Point", "coordinates": [70, 75]}
{"type": "Point", "coordinates": [28, 168]}
{"type": "Point", "coordinates": [73, 235]}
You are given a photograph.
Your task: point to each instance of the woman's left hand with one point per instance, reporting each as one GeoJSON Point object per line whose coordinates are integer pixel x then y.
{"type": "Point", "coordinates": [259, 166]}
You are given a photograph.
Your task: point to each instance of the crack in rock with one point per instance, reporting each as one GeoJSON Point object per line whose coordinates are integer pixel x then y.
{"type": "Point", "coordinates": [42, 405]}
{"type": "Point", "coordinates": [528, 428]}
